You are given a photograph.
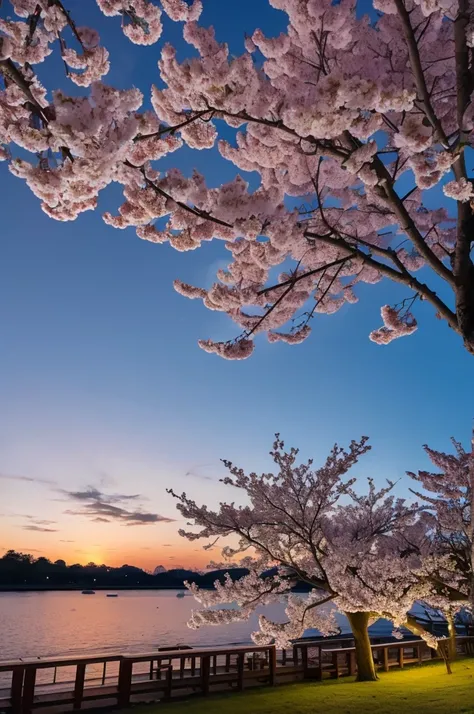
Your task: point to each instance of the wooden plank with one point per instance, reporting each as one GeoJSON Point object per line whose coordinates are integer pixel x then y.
{"type": "Point", "coordinates": [50, 662]}
{"type": "Point", "coordinates": [79, 684]}
{"type": "Point", "coordinates": [177, 654]}
{"type": "Point", "coordinates": [18, 674]}
{"type": "Point", "coordinates": [386, 664]}
{"type": "Point", "coordinates": [29, 683]}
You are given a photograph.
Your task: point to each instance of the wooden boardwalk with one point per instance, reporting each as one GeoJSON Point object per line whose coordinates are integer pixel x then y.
{"type": "Point", "coordinates": [67, 684]}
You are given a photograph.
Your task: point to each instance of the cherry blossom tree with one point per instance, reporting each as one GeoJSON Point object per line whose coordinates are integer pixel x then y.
{"type": "Point", "coordinates": [365, 554]}
{"type": "Point", "coordinates": [449, 497]}
{"type": "Point", "coordinates": [357, 119]}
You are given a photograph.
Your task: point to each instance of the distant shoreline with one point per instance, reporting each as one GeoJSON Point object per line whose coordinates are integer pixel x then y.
{"type": "Point", "coordinates": [103, 588]}
{"type": "Point", "coordinates": [80, 588]}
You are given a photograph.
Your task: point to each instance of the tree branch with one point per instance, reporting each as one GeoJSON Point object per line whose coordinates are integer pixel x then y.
{"type": "Point", "coordinates": [418, 75]}
{"type": "Point", "coordinates": [405, 277]}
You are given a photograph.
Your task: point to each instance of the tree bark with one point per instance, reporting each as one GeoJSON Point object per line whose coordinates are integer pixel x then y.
{"type": "Point", "coordinates": [414, 626]}
{"type": "Point", "coordinates": [359, 622]}
{"type": "Point", "coordinates": [452, 636]}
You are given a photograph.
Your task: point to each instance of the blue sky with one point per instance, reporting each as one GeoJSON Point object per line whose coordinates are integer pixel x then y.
{"type": "Point", "coordinates": [102, 382]}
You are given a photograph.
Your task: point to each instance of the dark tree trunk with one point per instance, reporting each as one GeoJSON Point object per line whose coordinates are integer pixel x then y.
{"type": "Point", "coordinates": [452, 636]}
{"type": "Point", "coordinates": [359, 622]}
{"type": "Point", "coordinates": [465, 298]}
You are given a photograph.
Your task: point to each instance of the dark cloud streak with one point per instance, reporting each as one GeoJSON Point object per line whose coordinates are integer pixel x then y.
{"type": "Point", "coordinates": [104, 508]}
{"type": "Point", "coordinates": [27, 479]}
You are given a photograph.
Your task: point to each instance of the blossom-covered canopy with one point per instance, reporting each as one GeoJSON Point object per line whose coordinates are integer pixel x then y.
{"type": "Point", "coordinates": [355, 117]}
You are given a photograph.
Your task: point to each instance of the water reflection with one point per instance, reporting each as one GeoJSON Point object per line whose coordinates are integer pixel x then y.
{"type": "Point", "coordinates": [69, 623]}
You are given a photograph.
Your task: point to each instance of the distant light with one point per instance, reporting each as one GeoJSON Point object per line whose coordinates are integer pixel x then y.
{"type": "Point", "coordinates": [47, 577]}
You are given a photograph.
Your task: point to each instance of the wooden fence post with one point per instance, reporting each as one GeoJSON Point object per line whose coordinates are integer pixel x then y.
{"type": "Point", "coordinates": [272, 663]}
{"type": "Point", "coordinates": [16, 691]}
{"type": "Point", "coordinates": [169, 681]}
{"type": "Point", "coordinates": [304, 660]}
{"type": "Point", "coordinates": [385, 659]}
{"type": "Point", "coordinates": [205, 673]}
{"type": "Point", "coordinates": [124, 682]}
{"type": "Point", "coordinates": [28, 689]}
{"type": "Point", "coordinates": [319, 674]}
{"type": "Point", "coordinates": [79, 684]}
{"type": "Point", "coordinates": [352, 664]}
{"type": "Point", "coordinates": [240, 671]}
{"type": "Point", "coordinates": [400, 657]}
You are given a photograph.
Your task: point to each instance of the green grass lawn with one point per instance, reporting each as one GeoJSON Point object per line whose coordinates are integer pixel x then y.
{"type": "Point", "coordinates": [423, 690]}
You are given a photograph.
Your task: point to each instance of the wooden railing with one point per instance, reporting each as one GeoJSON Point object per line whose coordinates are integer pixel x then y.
{"type": "Point", "coordinates": [119, 680]}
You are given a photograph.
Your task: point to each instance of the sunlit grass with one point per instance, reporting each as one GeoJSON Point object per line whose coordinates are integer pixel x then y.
{"type": "Point", "coordinates": [425, 689]}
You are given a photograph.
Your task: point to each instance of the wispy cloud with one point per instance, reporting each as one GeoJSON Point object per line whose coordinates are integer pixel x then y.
{"type": "Point", "coordinates": [27, 479]}
{"type": "Point", "coordinates": [67, 541]}
{"type": "Point", "coordinates": [91, 493]}
{"type": "Point", "coordinates": [39, 529]}
{"type": "Point", "coordinates": [196, 472]}
{"type": "Point", "coordinates": [38, 521]}
{"type": "Point", "coordinates": [103, 507]}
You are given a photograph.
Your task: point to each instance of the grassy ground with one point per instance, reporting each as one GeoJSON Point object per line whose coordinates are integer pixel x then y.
{"type": "Point", "coordinates": [421, 690]}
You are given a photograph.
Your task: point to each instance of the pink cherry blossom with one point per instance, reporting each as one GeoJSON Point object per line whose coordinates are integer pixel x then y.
{"type": "Point", "coordinates": [461, 190]}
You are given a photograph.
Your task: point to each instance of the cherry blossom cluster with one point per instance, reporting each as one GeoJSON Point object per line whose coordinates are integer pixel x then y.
{"type": "Point", "coordinates": [394, 326]}
{"type": "Point", "coordinates": [79, 144]}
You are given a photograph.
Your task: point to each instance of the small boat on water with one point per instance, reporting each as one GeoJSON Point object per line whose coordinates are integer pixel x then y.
{"type": "Point", "coordinates": [88, 592]}
{"type": "Point", "coordinates": [180, 594]}
{"type": "Point", "coordinates": [111, 595]}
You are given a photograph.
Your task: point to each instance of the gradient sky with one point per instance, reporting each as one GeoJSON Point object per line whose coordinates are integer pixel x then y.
{"type": "Point", "coordinates": [103, 387]}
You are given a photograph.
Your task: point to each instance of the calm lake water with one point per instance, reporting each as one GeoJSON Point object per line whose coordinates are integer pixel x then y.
{"type": "Point", "coordinates": [69, 623]}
